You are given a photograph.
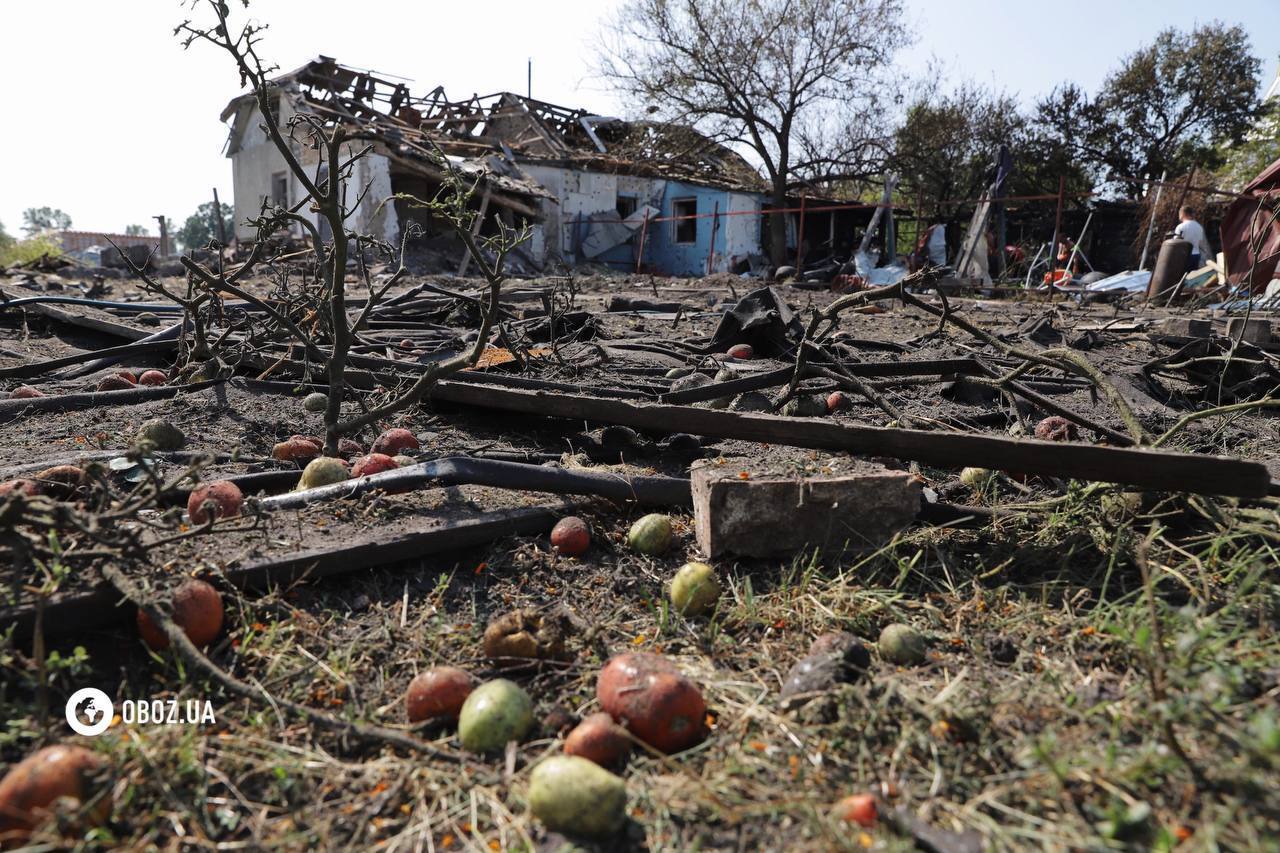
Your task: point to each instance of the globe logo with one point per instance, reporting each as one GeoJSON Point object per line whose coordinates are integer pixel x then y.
{"type": "Point", "coordinates": [89, 711]}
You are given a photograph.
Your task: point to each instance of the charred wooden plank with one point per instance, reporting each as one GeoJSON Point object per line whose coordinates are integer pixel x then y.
{"type": "Point", "coordinates": [100, 605]}
{"type": "Point", "coordinates": [1132, 466]}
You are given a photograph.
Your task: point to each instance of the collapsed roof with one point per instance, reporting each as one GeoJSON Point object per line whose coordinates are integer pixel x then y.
{"type": "Point", "coordinates": [487, 135]}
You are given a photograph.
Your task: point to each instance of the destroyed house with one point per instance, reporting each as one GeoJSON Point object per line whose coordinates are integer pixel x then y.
{"type": "Point", "coordinates": [591, 188]}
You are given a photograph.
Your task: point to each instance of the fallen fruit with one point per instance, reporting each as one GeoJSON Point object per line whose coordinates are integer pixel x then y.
{"type": "Point", "coordinates": [653, 700]}
{"type": "Point", "coordinates": [113, 383]}
{"type": "Point", "coordinates": [571, 536]}
{"type": "Point", "coordinates": [495, 713]}
{"type": "Point", "coordinates": [437, 694]}
{"type": "Point", "coordinates": [525, 634]}
{"type": "Point", "coordinates": [395, 441]}
{"type": "Point", "coordinates": [196, 609]}
{"type": "Point", "coordinates": [693, 380]}
{"type": "Point", "coordinates": [859, 809]}
{"type": "Point", "coordinates": [599, 739]}
{"type": "Point", "coordinates": [621, 675]}
{"type": "Point", "coordinates": [833, 659]}
{"type": "Point", "coordinates": [406, 344]}
{"type": "Point", "coordinates": [650, 535]}
{"type": "Point", "coordinates": [752, 401]}
{"type": "Point", "coordinates": [221, 498]}
{"type": "Point", "coordinates": [901, 644]}
{"type": "Point", "coordinates": [843, 644]}
{"type": "Point", "coordinates": [295, 450]}
{"type": "Point", "coordinates": [723, 375]}
{"type": "Point", "coordinates": [127, 376]}
{"type": "Point", "coordinates": [33, 784]}
{"type": "Point", "coordinates": [153, 377]}
{"type": "Point", "coordinates": [977, 478]}
{"type": "Point", "coordinates": [348, 448]}
{"type": "Point", "coordinates": [572, 795]}
{"type": "Point", "coordinates": [322, 472]}
{"type": "Point", "coordinates": [695, 589]}
{"type": "Point", "coordinates": [374, 463]}
{"type": "Point", "coordinates": [25, 392]}
{"type": "Point", "coordinates": [1056, 428]}
{"type": "Point", "coordinates": [29, 488]}
{"type": "Point", "coordinates": [61, 482]}
{"type": "Point", "coordinates": [161, 435]}
{"type": "Point", "coordinates": [741, 351]}
{"type": "Point", "coordinates": [805, 406]}
{"type": "Point", "coordinates": [668, 713]}
{"type": "Point", "coordinates": [838, 401]}
{"type": "Point", "coordinates": [315, 402]}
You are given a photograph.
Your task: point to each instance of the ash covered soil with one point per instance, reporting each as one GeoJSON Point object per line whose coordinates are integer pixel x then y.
{"type": "Point", "coordinates": [1100, 668]}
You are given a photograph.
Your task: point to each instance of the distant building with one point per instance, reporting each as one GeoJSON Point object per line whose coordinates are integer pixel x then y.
{"type": "Point", "coordinates": [90, 246]}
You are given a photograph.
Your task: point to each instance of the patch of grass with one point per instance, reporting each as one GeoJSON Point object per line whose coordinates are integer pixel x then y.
{"type": "Point", "coordinates": [16, 252]}
{"type": "Point", "coordinates": [1102, 675]}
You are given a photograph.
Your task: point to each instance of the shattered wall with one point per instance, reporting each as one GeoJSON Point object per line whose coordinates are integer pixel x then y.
{"type": "Point", "coordinates": [255, 163]}
{"type": "Point", "coordinates": [588, 202]}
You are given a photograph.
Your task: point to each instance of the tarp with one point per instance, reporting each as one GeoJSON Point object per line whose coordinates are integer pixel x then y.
{"type": "Point", "coordinates": [762, 319]}
{"type": "Point", "coordinates": [1239, 223]}
{"type": "Point", "coordinates": [1128, 281]}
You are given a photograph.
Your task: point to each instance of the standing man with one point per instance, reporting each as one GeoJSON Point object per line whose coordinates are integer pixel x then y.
{"type": "Point", "coordinates": [1193, 232]}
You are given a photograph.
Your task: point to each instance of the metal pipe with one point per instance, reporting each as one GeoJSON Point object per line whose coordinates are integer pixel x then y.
{"type": "Point", "coordinates": [1151, 223]}
{"type": "Point", "coordinates": [464, 470]}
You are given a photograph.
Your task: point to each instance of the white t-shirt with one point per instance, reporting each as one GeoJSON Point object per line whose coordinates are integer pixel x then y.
{"type": "Point", "coordinates": [1193, 233]}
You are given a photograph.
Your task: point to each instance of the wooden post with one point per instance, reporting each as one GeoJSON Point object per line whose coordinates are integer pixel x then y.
{"type": "Point", "coordinates": [220, 225]}
{"type": "Point", "coordinates": [800, 237]}
{"type": "Point", "coordinates": [919, 220]}
{"type": "Point", "coordinates": [1053, 247]}
{"type": "Point", "coordinates": [715, 225]}
{"type": "Point", "coordinates": [644, 230]}
{"type": "Point", "coordinates": [164, 236]}
{"type": "Point", "coordinates": [1151, 221]}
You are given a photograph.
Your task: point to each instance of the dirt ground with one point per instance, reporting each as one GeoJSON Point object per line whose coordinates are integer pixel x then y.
{"type": "Point", "coordinates": [1102, 667]}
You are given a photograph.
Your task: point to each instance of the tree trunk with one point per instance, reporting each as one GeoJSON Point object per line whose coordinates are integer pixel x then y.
{"type": "Point", "coordinates": [778, 223]}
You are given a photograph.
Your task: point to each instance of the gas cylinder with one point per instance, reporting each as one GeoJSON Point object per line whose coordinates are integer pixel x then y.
{"type": "Point", "coordinates": [1171, 265]}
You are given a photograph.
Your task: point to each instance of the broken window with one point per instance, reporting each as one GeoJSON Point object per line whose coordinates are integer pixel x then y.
{"type": "Point", "coordinates": [280, 189]}
{"type": "Point", "coordinates": [686, 227]}
{"type": "Point", "coordinates": [626, 206]}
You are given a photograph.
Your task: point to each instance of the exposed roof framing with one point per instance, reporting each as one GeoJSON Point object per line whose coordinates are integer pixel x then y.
{"type": "Point", "coordinates": [504, 124]}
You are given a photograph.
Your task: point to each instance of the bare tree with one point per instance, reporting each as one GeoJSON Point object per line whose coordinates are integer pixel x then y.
{"type": "Point", "coordinates": [321, 157]}
{"type": "Point", "coordinates": [769, 74]}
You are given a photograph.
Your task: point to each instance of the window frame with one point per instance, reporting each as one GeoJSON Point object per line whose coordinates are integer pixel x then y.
{"type": "Point", "coordinates": [626, 200]}
{"type": "Point", "coordinates": [678, 220]}
{"type": "Point", "coordinates": [277, 178]}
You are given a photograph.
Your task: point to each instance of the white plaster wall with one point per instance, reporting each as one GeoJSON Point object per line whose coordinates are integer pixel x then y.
{"type": "Point", "coordinates": [257, 160]}
{"type": "Point", "coordinates": [252, 167]}
{"type": "Point", "coordinates": [742, 232]}
{"type": "Point", "coordinates": [372, 216]}
{"type": "Point", "coordinates": [580, 193]}
{"type": "Point", "coordinates": [548, 235]}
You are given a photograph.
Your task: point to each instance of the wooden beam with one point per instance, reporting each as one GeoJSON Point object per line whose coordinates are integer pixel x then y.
{"type": "Point", "coordinates": [424, 535]}
{"type": "Point", "coordinates": [1151, 469]}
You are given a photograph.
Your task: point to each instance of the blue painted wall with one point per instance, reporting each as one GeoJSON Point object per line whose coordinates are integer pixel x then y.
{"type": "Point", "coordinates": [661, 252]}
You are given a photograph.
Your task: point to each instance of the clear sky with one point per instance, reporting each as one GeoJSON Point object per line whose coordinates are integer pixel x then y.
{"type": "Point", "coordinates": [109, 119]}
